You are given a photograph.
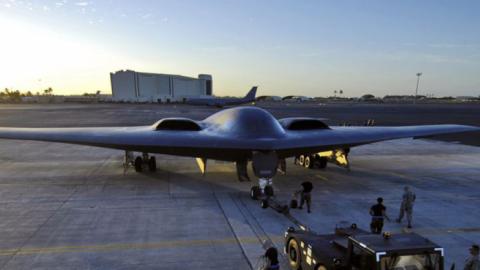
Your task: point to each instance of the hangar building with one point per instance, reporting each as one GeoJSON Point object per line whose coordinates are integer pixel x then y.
{"type": "Point", "coordinates": [132, 86]}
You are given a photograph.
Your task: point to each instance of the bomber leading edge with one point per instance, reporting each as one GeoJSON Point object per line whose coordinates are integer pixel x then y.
{"type": "Point", "coordinates": [239, 135]}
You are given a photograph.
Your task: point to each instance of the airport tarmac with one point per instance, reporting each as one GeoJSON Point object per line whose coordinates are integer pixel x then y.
{"type": "Point", "coordinates": [72, 207]}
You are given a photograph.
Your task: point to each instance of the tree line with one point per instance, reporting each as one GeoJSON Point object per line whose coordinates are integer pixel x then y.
{"type": "Point", "coordinates": [16, 95]}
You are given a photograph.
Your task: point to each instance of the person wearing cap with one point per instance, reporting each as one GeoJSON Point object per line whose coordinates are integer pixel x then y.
{"type": "Point", "coordinates": [378, 213]}
{"type": "Point", "coordinates": [408, 198]}
{"type": "Point", "coordinates": [473, 262]}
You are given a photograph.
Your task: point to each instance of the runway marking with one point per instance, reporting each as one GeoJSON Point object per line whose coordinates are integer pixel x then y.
{"type": "Point", "coordinates": [127, 246]}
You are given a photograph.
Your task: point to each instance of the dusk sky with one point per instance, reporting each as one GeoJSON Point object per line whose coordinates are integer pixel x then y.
{"type": "Point", "coordinates": [285, 47]}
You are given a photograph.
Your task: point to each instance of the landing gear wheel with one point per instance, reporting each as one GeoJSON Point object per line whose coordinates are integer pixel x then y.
{"type": "Point", "coordinates": [255, 192]}
{"type": "Point", "coordinates": [307, 163]}
{"type": "Point", "coordinates": [301, 160]}
{"type": "Point", "coordinates": [264, 204]}
{"type": "Point", "coordinates": [320, 267]}
{"type": "Point", "coordinates": [294, 255]}
{"type": "Point", "coordinates": [138, 164]}
{"type": "Point", "coordinates": [268, 191]}
{"type": "Point", "coordinates": [152, 164]}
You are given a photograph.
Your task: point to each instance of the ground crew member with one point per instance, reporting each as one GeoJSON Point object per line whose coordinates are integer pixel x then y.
{"type": "Point", "coordinates": [271, 257]}
{"type": "Point", "coordinates": [473, 262]}
{"type": "Point", "coordinates": [408, 198]}
{"type": "Point", "coordinates": [306, 195]}
{"type": "Point", "coordinates": [378, 213]}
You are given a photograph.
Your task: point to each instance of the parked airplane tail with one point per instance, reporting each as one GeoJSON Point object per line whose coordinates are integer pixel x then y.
{"type": "Point", "coordinates": [251, 94]}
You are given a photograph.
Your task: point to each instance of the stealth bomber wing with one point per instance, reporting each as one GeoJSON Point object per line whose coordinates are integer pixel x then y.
{"type": "Point", "coordinates": [237, 134]}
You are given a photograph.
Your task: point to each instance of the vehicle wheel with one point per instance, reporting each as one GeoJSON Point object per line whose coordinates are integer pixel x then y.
{"type": "Point", "coordinates": [268, 191]}
{"type": "Point", "coordinates": [320, 267]}
{"type": "Point", "coordinates": [152, 164]}
{"type": "Point", "coordinates": [255, 192]}
{"type": "Point", "coordinates": [322, 162]}
{"type": "Point", "coordinates": [264, 204]}
{"type": "Point", "coordinates": [138, 164]}
{"type": "Point", "coordinates": [307, 162]}
{"type": "Point", "coordinates": [294, 254]}
{"type": "Point", "coordinates": [301, 160]}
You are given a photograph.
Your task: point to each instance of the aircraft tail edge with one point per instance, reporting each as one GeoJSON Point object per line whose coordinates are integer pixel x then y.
{"type": "Point", "coordinates": [251, 94]}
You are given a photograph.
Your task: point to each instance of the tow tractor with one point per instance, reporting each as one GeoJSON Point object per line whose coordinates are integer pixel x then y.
{"type": "Point", "coordinates": [353, 248]}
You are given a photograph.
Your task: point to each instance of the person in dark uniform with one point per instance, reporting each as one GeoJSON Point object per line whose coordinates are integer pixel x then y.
{"type": "Point", "coordinates": [271, 255]}
{"type": "Point", "coordinates": [306, 195]}
{"type": "Point", "coordinates": [378, 213]}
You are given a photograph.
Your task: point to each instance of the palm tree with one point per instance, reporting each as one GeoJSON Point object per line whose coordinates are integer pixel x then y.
{"type": "Point", "coordinates": [48, 91]}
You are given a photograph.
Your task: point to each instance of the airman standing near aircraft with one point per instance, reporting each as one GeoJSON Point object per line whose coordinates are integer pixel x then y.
{"type": "Point", "coordinates": [408, 198]}
{"type": "Point", "coordinates": [473, 262]}
{"type": "Point", "coordinates": [378, 213]}
{"type": "Point", "coordinates": [306, 195]}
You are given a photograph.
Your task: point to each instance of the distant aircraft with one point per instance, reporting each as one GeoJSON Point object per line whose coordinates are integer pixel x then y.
{"type": "Point", "coordinates": [239, 135]}
{"type": "Point", "coordinates": [222, 102]}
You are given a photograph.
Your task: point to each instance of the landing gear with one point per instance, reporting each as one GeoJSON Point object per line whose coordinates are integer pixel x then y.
{"type": "Point", "coordinates": [301, 160]}
{"type": "Point", "coordinates": [152, 164]}
{"type": "Point", "coordinates": [264, 203]}
{"type": "Point", "coordinates": [268, 190]}
{"type": "Point", "coordinates": [311, 161]}
{"type": "Point", "coordinates": [308, 162]}
{"type": "Point", "coordinates": [255, 192]}
{"type": "Point", "coordinates": [242, 173]}
{"type": "Point", "coordinates": [139, 162]}
{"type": "Point", "coordinates": [264, 191]}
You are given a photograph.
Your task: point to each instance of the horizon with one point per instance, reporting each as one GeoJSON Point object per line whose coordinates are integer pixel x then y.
{"type": "Point", "coordinates": [307, 49]}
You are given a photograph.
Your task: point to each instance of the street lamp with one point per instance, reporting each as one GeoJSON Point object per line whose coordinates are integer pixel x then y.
{"type": "Point", "coordinates": [416, 89]}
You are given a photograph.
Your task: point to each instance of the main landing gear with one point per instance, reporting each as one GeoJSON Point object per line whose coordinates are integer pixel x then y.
{"type": "Point", "coordinates": [263, 192]}
{"type": "Point", "coordinates": [140, 162]}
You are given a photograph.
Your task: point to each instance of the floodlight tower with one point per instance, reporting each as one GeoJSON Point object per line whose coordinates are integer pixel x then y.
{"type": "Point", "coordinates": [416, 89]}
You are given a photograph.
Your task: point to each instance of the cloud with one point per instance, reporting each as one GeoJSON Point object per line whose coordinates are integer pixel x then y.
{"type": "Point", "coordinates": [82, 4]}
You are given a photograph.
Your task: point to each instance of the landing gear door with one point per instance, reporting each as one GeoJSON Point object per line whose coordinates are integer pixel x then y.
{"type": "Point", "coordinates": [264, 164]}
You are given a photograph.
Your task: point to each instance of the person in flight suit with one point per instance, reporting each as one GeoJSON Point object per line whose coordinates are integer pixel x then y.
{"type": "Point", "coordinates": [473, 262]}
{"type": "Point", "coordinates": [408, 198]}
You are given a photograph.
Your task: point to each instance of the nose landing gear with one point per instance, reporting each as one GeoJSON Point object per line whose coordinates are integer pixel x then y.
{"type": "Point", "coordinates": [264, 191]}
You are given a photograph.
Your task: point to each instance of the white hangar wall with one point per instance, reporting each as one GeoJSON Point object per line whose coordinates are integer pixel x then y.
{"type": "Point", "coordinates": [132, 86]}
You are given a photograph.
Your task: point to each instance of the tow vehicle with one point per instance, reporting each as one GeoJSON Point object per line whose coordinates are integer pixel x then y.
{"type": "Point", "coordinates": [353, 248]}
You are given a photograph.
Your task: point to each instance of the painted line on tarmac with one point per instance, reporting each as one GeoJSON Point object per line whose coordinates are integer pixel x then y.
{"type": "Point", "coordinates": [127, 246]}
{"type": "Point", "coordinates": [442, 231]}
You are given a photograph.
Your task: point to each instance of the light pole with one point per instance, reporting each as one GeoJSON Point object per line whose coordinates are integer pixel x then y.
{"type": "Point", "coordinates": [416, 89]}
